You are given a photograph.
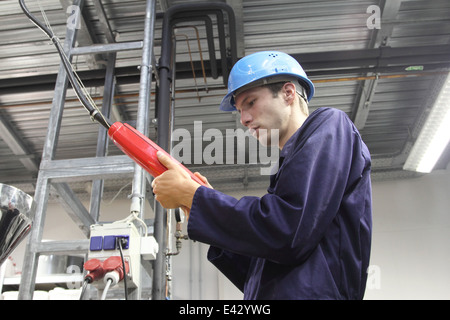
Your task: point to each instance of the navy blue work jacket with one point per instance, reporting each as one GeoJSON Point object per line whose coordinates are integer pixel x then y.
{"type": "Point", "coordinates": [309, 237]}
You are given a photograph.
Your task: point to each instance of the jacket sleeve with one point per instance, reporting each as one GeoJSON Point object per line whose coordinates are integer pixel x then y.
{"type": "Point", "coordinates": [286, 224]}
{"type": "Point", "coordinates": [233, 266]}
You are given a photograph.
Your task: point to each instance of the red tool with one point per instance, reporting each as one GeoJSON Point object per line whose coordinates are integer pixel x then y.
{"type": "Point", "coordinates": [142, 149]}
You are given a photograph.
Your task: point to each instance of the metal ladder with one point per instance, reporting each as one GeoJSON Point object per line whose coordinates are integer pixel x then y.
{"type": "Point", "coordinates": [56, 173]}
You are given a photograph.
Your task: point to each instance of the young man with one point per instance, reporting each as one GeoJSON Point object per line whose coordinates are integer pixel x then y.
{"type": "Point", "coordinates": [309, 237]}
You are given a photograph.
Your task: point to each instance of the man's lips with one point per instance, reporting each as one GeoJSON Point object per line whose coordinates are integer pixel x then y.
{"type": "Point", "coordinates": [254, 130]}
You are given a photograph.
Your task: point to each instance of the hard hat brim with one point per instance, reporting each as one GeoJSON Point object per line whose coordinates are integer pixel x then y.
{"type": "Point", "coordinates": [227, 103]}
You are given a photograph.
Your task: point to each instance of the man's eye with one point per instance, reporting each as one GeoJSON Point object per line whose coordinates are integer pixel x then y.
{"type": "Point", "coordinates": [251, 103]}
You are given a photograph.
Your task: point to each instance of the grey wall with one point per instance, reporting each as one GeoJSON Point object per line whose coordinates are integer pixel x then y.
{"type": "Point", "coordinates": [410, 252]}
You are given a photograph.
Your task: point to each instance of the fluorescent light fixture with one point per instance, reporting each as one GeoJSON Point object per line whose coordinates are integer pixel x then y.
{"type": "Point", "coordinates": [435, 135]}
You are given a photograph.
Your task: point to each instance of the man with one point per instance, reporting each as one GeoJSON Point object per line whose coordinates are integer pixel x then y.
{"type": "Point", "coordinates": [309, 237]}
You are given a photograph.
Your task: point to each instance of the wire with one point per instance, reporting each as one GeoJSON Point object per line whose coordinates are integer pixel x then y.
{"type": "Point", "coordinates": [80, 90]}
{"type": "Point", "coordinates": [117, 194]}
{"type": "Point", "coordinates": [134, 216]}
{"type": "Point", "coordinates": [105, 291]}
{"type": "Point", "coordinates": [124, 268]}
{"type": "Point", "coordinates": [83, 289]}
{"type": "Point", "coordinates": [47, 22]}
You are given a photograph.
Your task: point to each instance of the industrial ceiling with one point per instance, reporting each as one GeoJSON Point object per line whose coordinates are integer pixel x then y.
{"type": "Point", "coordinates": [382, 62]}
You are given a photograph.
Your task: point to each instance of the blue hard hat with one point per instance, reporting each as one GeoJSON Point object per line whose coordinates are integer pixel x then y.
{"type": "Point", "coordinates": [263, 66]}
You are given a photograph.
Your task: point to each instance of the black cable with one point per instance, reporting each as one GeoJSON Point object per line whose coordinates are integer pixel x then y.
{"type": "Point", "coordinates": [123, 266]}
{"type": "Point", "coordinates": [34, 20]}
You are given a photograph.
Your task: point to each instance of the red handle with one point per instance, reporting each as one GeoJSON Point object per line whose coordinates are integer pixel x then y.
{"type": "Point", "coordinates": [141, 149]}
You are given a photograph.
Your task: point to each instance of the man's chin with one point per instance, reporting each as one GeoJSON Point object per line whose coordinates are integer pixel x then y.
{"type": "Point", "coordinates": [266, 138]}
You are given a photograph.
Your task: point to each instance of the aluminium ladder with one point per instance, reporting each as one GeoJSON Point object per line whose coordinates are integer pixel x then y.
{"type": "Point", "coordinates": [56, 173]}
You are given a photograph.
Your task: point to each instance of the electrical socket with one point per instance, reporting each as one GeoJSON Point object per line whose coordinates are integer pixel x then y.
{"type": "Point", "coordinates": [104, 244]}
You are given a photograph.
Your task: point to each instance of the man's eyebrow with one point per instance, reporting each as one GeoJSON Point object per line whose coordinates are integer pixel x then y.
{"type": "Point", "coordinates": [242, 103]}
{"type": "Point", "coordinates": [251, 95]}
{"type": "Point", "coordinates": [245, 99]}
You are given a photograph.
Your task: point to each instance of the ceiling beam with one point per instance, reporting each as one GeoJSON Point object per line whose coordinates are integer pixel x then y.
{"type": "Point", "coordinates": [380, 37]}
{"type": "Point", "coordinates": [383, 60]}
{"type": "Point", "coordinates": [9, 135]}
{"type": "Point", "coordinates": [106, 27]}
{"type": "Point", "coordinates": [86, 35]}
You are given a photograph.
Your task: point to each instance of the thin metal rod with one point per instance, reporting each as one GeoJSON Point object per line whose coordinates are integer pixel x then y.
{"type": "Point", "coordinates": [142, 121]}
{"type": "Point", "coordinates": [107, 48]}
{"type": "Point", "coordinates": [102, 139]}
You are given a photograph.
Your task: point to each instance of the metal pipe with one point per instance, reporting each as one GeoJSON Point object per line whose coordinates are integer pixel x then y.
{"type": "Point", "coordinates": [192, 66]}
{"type": "Point", "coordinates": [108, 47]}
{"type": "Point", "coordinates": [200, 50]}
{"type": "Point", "coordinates": [139, 181]}
{"type": "Point", "coordinates": [102, 139]}
{"type": "Point", "coordinates": [164, 118]}
{"type": "Point", "coordinates": [209, 38]}
{"type": "Point", "coordinates": [218, 11]}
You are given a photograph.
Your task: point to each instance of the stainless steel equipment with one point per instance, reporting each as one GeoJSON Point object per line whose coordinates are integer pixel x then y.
{"type": "Point", "coordinates": [15, 221]}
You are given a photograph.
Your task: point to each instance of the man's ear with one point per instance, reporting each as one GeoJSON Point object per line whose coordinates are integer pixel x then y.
{"type": "Point", "coordinates": [289, 92]}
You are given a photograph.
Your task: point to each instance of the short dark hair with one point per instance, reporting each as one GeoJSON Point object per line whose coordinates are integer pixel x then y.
{"type": "Point", "coordinates": [276, 87]}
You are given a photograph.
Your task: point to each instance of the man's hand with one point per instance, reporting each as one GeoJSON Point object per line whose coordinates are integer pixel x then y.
{"type": "Point", "coordinates": [174, 188]}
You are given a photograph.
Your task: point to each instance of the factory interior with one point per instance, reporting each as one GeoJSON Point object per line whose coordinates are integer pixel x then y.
{"type": "Point", "coordinates": [162, 66]}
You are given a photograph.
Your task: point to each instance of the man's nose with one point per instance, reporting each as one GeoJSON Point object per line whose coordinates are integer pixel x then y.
{"type": "Point", "coordinates": [246, 118]}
